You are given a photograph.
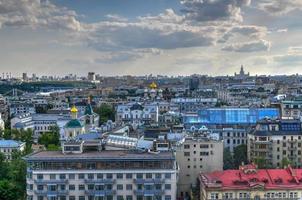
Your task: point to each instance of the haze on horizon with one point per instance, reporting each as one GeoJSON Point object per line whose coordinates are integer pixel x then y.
{"type": "Point", "coordinates": [135, 37]}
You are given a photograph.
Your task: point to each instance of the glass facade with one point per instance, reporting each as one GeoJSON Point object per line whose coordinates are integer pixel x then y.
{"type": "Point", "coordinates": [230, 116]}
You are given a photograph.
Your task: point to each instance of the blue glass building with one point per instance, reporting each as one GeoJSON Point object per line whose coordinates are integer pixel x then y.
{"type": "Point", "coordinates": [229, 116]}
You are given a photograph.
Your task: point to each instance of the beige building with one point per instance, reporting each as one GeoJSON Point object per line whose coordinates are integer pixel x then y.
{"type": "Point", "coordinates": [195, 155]}
{"type": "Point", "coordinates": [276, 141]}
{"type": "Point", "coordinates": [250, 183]}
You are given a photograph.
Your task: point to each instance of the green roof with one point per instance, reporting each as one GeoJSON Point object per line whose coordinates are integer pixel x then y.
{"type": "Point", "coordinates": [88, 110]}
{"type": "Point", "coordinates": [74, 123]}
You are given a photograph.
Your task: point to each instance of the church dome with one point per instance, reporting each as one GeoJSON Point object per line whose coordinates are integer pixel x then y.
{"type": "Point", "coordinates": [74, 123]}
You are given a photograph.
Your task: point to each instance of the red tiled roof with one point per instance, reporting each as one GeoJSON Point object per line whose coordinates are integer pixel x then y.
{"type": "Point", "coordinates": [248, 177]}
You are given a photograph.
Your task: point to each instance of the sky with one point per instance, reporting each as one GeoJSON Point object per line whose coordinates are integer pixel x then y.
{"type": "Point", "coordinates": [140, 37]}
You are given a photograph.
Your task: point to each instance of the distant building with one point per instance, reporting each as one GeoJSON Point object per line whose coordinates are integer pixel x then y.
{"type": "Point", "coordinates": [276, 140]}
{"type": "Point", "coordinates": [137, 114]}
{"type": "Point", "coordinates": [242, 74]}
{"type": "Point", "coordinates": [91, 76]}
{"type": "Point", "coordinates": [292, 108]}
{"type": "Point", "coordinates": [24, 77]}
{"type": "Point", "coordinates": [193, 104]}
{"type": "Point", "coordinates": [74, 127]}
{"type": "Point", "coordinates": [193, 83]}
{"type": "Point", "coordinates": [195, 155]}
{"type": "Point", "coordinates": [251, 183]}
{"type": "Point", "coordinates": [2, 126]}
{"type": "Point", "coordinates": [7, 147]}
{"type": "Point", "coordinates": [17, 108]}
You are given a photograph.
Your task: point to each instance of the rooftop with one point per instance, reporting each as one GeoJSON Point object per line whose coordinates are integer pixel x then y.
{"type": "Point", "coordinates": [99, 155]}
{"type": "Point", "coordinates": [10, 143]}
{"type": "Point", "coordinates": [248, 177]}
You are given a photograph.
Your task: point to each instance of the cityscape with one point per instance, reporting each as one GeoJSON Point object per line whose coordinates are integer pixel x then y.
{"type": "Point", "coordinates": [150, 100]}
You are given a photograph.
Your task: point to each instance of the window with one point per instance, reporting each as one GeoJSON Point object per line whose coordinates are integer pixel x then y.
{"type": "Point", "coordinates": [204, 146]}
{"type": "Point", "coordinates": [203, 153]}
{"type": "Point", "coordinates": [81, 187]}
{"type": "Point", "coordinates": [128, 176]}
{"type": "Point", "coordinates": [62, 176]}
{"type": "Point", "coordinates": [149, 176]}
{"type": "Point", "coordinates": [99, 176]}
{"type": "Point", "coordinates": [119, 187]}
{"type": "Point", "coordinates": [167, 186]}
{"type": "Point", "coordinates": [109, 176]}
{"type": "Point", "coordinates": [168, 197]}
{"type": "Point", "coordinates": [158, 176]}
{"type": "Point", "coordinates": [119, 197]}
{"type": "Point", "coordinates": [168, 176]}
{"type": "Point", "coordinates": [40, 176]}
{"type": "Point", "coordinates": [62, 187]}
{"type": "Point", "coordinates": [40, 187]}
{"type": "Point", "coordinates": [186, 146]}
{"type": "Point", "coordinates": [119, 176]}
{"type": "Point", "coordinates": [129, 187]}
{"type": "Point", "coordinates": [129, 197]}
{"type": "Point", "coordinates": [90, 176]}
{"type": "Point", "coordinates": [71, 176]}
{"type": "Point", "coordinates": [71, 187]}
{"type": "Point", "coordinates": [186, 153]}
{"type": "Point", "coordinates": [139, 176]}
{"type": "Point", "coordinates": [81, 176]}
{"type": "Point", "coordinates": [81, 197]}
{"type": "Point", "coordinates": [214, 195]}
{"type": "Point", "coordinates": [52, 176]}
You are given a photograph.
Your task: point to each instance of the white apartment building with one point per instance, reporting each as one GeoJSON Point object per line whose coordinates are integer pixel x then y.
{"type": "Point", "coordinates": [17, 108]}
{"type": "Point", "coordinates": [197, 154]}
{"type": "Point", "coordinates": [137, 114]}
{"type": "Point", "coordinates": [101, 175]}
{"type": "Point", "coordinates": [7, 147]}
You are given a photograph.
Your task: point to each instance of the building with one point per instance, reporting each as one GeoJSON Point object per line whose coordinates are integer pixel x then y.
{"type": "Point", "coordinates": [137, 114]}
{"type": "Point", "coordinates": [276, 141]}
{"type": "Point", "coordinates": [292, 108]}
{"type": "Point", "coordinates": [242, 74]}
{"type": "Point", "coordinates": [251, 183]}
{"type": "Point", "coordinates": [81, 173]}
{"type": "Point", "coordinates": [228, 116]}
{"type": "Point", "coordinates": [91, 76]}
{"type": "Point", "coordinates": [17, 108]}
{"type": "Point", "coordinates": [193, 104]}
{"type": "Point", "coordinates": [7, 147]}
{"type": "Point", "coordinates": [74, 127]}
{"type": "Point", "coordinates": [2, 125]}
{"type": "Point", "coordinates": [197, 154]}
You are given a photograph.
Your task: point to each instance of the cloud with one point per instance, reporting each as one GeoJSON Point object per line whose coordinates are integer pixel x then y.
{"type": "Point", "coordinates": [116, 18]}
{"type": "Point", "coordinates": [37, 13]}
{"type": "Point", "coordinates": [212, 10]}
{"type": "Point", "coordinates": [257, 45]}
{"type": "Point", "coordinates": [279, 7]}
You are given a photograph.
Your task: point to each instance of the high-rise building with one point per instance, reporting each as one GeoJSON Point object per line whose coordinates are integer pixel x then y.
{"type": "Point", "coordinates": [24, 76]}
{"type": "Point", "coordinates": [91, 76]}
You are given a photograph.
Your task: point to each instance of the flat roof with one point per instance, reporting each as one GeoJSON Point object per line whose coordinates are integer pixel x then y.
{"type": "Point", "coordinates": [120, 155]}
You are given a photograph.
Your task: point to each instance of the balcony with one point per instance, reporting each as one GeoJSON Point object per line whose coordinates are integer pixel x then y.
{"type": "Point", "coordinates": [51, 193]}
{"type": "Point", "coordinates": [149, 181]}
{"type": "Point", "coordinates": [55, 181]}
{"type": "Point", "coordinates": [149, 192]}
{"type": "Point", "coordinates": [100, 181]}
{"type": "Point", "coordinates": [292, 141]}
{"type": "Point", "coordinates": [100, 193]}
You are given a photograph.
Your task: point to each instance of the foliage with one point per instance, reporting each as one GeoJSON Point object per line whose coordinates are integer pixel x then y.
{"type": "Point", "coordinates": [50, 138]}
{"type": "Point", "coordinates": [285, 162]}
{"type": "Point", "coordinates": [240, 155]}
{"type": "Point", "coordinates": [106, 112]}
{"type": "Point", "coordinates": [12, 177]}
{"type": "Point", "coordinates": [228, 161]}
{"type": "Point", "coordinates": [260, 162]}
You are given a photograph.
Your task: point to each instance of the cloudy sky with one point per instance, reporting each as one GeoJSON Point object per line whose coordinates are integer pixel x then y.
{"type": "Point", "coordinates": [172, 37]}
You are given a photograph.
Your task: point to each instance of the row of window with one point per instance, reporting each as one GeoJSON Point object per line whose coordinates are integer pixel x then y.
{"type": "Point", "coordinates": [107, 176]}
{"type": "Point", "coordinates": [108, 197]}
{"type": "Point", "coordinates": [201, 146]}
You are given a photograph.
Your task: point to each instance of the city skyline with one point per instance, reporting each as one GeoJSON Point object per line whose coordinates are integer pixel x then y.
{"type": "Point", "coordinates": [150, 37]}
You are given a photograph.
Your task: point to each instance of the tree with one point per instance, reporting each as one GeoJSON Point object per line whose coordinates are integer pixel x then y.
{"type": "Point", "coordinates": [240, 155]}
{"type": "Point", "coordinates": [51, 137]}
{"type": "Point", "coordinates": [260, 162]}
{"type": "Point", "coordinates": [228, 161]}
{"type": "Point", "coordinates": [285, 162]}
{"type": "Point", "coordinates": [106, 112]}
{"type": "Point", "coordinates": [8, 190]}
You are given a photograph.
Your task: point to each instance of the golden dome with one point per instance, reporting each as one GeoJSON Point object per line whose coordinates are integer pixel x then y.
{"type": "Point", "coordinates": [73, 109]}
{"type": "Point", "coordinates": [153, 85]}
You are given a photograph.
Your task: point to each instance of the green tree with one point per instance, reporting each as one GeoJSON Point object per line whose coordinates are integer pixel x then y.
{"type": "Point", "coordinates": [8, 190]}
{"type": "Point", "coordinates": [228, 161]}
{"type": "Point", "coordinates": [240, 155]}
{"type": "Point", "coordinates": [260, 162]}
{"type": "Point", "coordinates": [285, 162]}
{"type": "Point", "coordinates": [106, 112]}
{"type": "Point", "coordinates": [51, 137]}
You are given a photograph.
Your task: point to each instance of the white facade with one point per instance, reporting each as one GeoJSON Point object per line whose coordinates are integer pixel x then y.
{"type": "Point", "coordinates": [7, 147]}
